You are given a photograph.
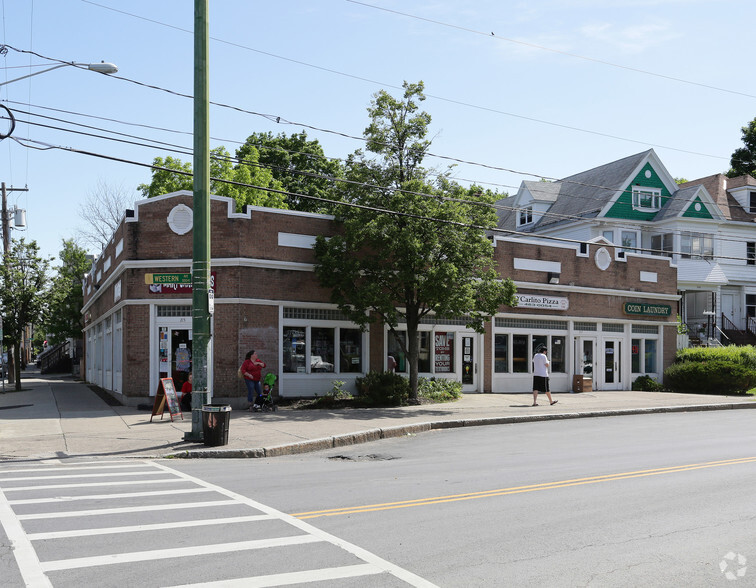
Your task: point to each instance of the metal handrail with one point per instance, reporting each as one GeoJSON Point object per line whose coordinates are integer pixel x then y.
{"type": "Point", "coordinates": [751, 325]}
{"type": "Point", "coordinates": [729, 325]}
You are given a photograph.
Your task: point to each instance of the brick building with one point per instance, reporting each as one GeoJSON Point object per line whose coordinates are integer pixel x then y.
{"type": "Point", "coordinates": [613, 319]}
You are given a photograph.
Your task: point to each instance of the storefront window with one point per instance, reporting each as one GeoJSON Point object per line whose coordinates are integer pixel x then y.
{"type": "Point", "coordinates": [538, 340]}
{"type": "Point", "coordinates": [444, 353]}
{"type": "Point", "coordinates": [643, 356]}
{"type": "Point", "coordinates": [395, 350]}
{"type": "Point", "coordinates": [650, 352]}
{"type": "Point", "coordinates": [350, 350]}
{"type": "Point", "coordinates": [294, 350]}
{"type": "Point", "coordinates": [557, 355]}
{"type": "Point", "coordinates": [520, 354]}
{"type": "Point", "coordinates": [423, 359]}
{"type": "Point", "coordinates": [501, 354]}
{"type": "Point", "coordinates": [322, 356]}
{"type": "Point", "coordinates": [635, 355]}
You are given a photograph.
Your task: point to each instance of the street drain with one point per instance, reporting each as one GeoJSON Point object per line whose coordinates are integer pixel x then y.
{"type": "Point", "coordinates": [369, 457]}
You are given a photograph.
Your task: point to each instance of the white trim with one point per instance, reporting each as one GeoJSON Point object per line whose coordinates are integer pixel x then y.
{"type": "Point", "coordinates": [537, 265]}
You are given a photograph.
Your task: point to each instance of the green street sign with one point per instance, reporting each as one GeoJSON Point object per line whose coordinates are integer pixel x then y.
{"type": "Point", "coordinates": [167, 278]}
{"type": "Point", "coordinates": [641, 308]}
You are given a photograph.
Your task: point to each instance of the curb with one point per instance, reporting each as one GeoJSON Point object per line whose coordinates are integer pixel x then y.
{"type": "Point", "coordinates": [415, 428]}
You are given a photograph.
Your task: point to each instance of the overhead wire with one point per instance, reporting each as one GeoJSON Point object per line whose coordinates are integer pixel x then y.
{"type": "Point", "coordinates": [494, 230]}
{"type": "Point", "coordinates": [433, 96]}
{"type": "Point", "coordinates": [183, 150]}
{"type": "Point", "coordinates": [493, 36]}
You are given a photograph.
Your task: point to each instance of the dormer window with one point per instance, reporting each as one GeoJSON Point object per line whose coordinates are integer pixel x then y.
{"type": "Point", "coordinates": [648, 199]}
{"type": "Point", "coordinates": [525, 216]}
{"type": "Point", "coordinates": [752, 202]}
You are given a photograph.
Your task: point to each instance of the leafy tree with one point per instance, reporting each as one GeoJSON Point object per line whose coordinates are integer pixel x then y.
{"type": "Point", "coordinates": [64, 318]}
{"type": "Point", "coordinates": [743, 160]}
{"type": "Point", "coordinates": [102, 212]}
{"type": "Point", "coordinates": [24, 295]}
{"type": "Point", "coordinates": [428, 253]}
{"type": "Point", "coordinates": [299, 165]}
{"type": "Point", "coordinates": [222, 171]}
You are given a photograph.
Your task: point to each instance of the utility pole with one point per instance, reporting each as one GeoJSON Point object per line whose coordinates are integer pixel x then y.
{"type": "Point", "coordinates": [6, 251]}
{"type": "Point", "coordinates": [201, 226]}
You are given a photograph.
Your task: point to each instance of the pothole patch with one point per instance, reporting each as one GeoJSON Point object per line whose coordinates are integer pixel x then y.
{"type": "Point", "coordinates": [368, 457]}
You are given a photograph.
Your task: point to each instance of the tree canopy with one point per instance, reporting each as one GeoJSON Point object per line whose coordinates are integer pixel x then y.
{"type": "Point", "coordinates": [227, 178]}
{"type": "Point", "coordinates": [24, 295]}
{"type": "Point", "coordinates": [299, 165]}
{"type": "Point", "coordinates": [416, 243]}
{"type": "Point", "coordinates": [63, 318]}
{"type": "Point", "coordinates": [743, 160]}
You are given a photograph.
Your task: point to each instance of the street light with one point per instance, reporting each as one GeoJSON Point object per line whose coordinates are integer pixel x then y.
{"type": "Point", "coordinates": [103, 67]}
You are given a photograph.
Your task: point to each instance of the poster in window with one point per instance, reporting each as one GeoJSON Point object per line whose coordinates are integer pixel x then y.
{"type": "Point", "coordinates": [444, 347]}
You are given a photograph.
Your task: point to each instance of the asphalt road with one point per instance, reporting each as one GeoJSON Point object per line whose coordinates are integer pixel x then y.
{"type": "Point", "coordinates": [654, 500]}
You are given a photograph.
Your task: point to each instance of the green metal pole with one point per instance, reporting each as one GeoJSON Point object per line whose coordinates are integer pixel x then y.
{"type": "Point", "coordinates": [201, 205]}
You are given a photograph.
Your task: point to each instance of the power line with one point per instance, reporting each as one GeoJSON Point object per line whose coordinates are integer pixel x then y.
{"type": "Point", "coordinates": [187, 151]}
{"type": "Point", "coordinates": [493, 36]}
{"type": "Point", "coordinates": [660, 252]}
{"type": "Point", "coordinates": [436, 97]}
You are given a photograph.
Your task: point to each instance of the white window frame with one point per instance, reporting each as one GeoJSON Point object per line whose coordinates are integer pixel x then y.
{"type": "Point", "coordinates": [646, 199]}
{"type": "Point", "coordinates": [525, 216]}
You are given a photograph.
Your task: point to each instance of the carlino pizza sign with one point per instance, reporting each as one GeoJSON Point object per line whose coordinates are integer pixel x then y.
{"type": "Point", "coordinates": [642, 308]}
{"type": "Point", "coordinates": [545, 302]}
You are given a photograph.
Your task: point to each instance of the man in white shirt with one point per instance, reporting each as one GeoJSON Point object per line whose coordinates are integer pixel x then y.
{"type": "Point", "coordinates": [541, 375]}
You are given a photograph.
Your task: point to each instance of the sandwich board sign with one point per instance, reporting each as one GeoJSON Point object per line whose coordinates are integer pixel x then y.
{"type": "Point", "coordinates": [166, 395]}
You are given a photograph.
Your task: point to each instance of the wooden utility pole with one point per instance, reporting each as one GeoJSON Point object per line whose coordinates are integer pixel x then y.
{"type": "Point", "coordinates": [6, 253]}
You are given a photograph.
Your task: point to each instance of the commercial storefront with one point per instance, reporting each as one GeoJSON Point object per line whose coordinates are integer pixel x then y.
{"type": "Point", "coordinates": [611, 319]}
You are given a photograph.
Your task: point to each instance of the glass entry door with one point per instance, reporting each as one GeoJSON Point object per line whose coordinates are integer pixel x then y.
{"type": "Point", "coordinates": [175, 354]}
{"type": "Point", "coordinates": [469, 365]}
{"type": "Point", "coordinates": [612, 368]}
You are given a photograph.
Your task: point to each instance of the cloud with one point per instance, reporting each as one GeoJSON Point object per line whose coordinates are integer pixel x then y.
{"type": "Point", "coordinates": [630, 39]}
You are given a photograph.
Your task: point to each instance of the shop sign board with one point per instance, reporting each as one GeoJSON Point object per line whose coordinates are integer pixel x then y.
{"type": "Point", "coordinates": [181, 278]}
{"type": "Point", "coordinates": [545, 302]}
{"type": "Point", "coordinates": [642, 308]}
{"type": "Point", "coordinates": [179, 283]}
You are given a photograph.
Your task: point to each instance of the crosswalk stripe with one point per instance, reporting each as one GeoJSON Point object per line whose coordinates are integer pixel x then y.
{"type": "Point", "coordinates": [94, 484]}
{"type": "Point", "coordinates": [289, 578]}
{"type": "Point", "coordinates": [171, 492]}
{"type": "Point", "coordinates": [23, 551]}
{"type": "Point", "coordinates": [72, 468]}
{"type": "Point", "coordinates": [71, 476]}
{"type": "Point", "coordinates": [149, 527]}
{"type": "Point", "coordinates": [121, 510]}
{"type": "Point", "coordinates": [153, 554]}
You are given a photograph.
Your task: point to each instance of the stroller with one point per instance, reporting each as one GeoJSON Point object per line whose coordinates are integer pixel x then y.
{"type": "Point", "coordinates": [264, 402]}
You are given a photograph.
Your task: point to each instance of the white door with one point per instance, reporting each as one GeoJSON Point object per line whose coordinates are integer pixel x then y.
{"type": "Point", "coordinates": [469, 362]}
{"type": "Point", "coordinates": [728, 310]}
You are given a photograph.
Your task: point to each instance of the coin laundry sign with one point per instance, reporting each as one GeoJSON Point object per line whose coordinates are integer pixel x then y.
{"type": "Point", "coordinates": [647, 309]}
{"type": "Point", "coordinates": [548, 302]}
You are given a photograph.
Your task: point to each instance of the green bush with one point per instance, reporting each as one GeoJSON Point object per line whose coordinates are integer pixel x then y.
{"type": "Point", "coordinates": [715, 375]}
{"type": "Point", "coordinates": [742, 355]}
{"type": "Point", "coordinates": [647, 384]}
{"type": "Point", "coordinates": [382, 389]}
{"type": "Point", "coordinates": [441, 390]}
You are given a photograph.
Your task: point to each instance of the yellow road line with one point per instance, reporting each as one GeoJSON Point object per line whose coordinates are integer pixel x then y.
{"type": "Point", "coordinates": [520, 489]}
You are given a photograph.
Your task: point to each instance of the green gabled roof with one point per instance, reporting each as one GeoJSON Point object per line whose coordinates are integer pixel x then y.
{"type": "Point", "coordinates": [623, 206]}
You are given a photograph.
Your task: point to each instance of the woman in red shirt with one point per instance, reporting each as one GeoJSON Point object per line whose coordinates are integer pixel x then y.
{"type": "Point", "coordinates": [252, 371]}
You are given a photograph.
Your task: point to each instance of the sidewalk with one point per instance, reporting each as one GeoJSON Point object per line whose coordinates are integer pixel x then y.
{"type": "Point", "coordinates": [55, 416]}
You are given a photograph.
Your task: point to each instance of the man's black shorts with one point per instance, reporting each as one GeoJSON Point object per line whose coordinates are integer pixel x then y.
{"type": "Point", "coordinates": [541, 383]}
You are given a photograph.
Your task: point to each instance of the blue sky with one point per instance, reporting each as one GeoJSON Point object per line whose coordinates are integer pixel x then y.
{"type": "Point", "coordinates": [559, 87]}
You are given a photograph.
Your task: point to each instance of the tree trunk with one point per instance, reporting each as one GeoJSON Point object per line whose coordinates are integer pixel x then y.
{"type": "Point", "coordinates": [17, 364]}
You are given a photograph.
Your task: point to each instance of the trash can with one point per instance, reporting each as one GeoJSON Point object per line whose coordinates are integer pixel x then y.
{"type": "Point", "coordinates": [215, 420]}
